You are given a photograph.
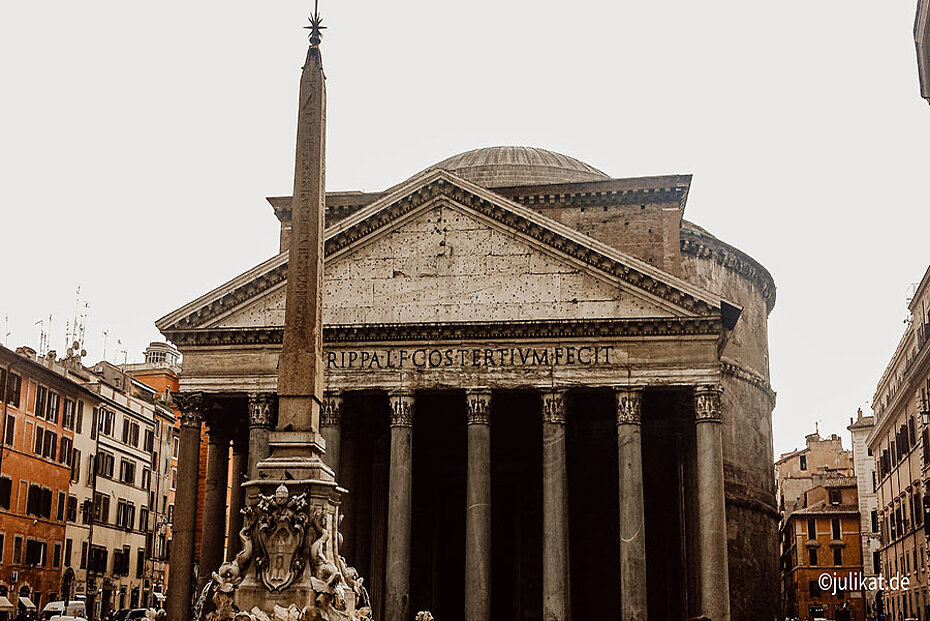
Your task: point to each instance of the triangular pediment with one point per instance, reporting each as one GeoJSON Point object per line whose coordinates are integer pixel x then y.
{"type": "Point", "coordinates": [440, 249]}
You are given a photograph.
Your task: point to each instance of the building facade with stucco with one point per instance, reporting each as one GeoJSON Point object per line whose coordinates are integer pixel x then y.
{"type": "Point", "coordinates": [607, 357]}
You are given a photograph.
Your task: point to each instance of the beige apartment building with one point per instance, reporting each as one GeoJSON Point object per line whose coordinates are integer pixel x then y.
{"type": "Point", "coordinates": [900, 445]}
{"type": "Point", "coordinates": [802, 469]}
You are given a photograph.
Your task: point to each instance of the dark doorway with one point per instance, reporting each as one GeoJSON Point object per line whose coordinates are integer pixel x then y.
{"type": "Point", "coordinates": [664, 463]}
{"type": "Point", "coordinates": [516, 506]}
{"type": "Point", "coordinates": [437, 575]}
{"type": "Point", "coordinates": [364, 469]}
{"type": "Point", "coordinates": [593, 497]}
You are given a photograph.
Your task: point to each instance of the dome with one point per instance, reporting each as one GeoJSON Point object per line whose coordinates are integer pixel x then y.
{"type": "Point", "coordinates": [498, 167]}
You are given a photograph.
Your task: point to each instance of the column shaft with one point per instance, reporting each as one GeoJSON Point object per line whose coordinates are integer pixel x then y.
{"type": "Point", "coordinates": [261, 419]}
{"type": "Point", "coordinates": [555, 510]}
{"type": "Point", "coordinates": [397, 571]}
{"type": "Point", "coordinates": [240, 471]}
{"type": "Point", "coordinates": [478, 508]}
{"type": "Point", "coordinates": [331, 429]}
{"type": "Point", "coordinates": [712, 516]}
{"type": "Point", "coordinates": [632, 508]}
{"type": "Point", "coordinates": [181, 577]}
{"type": "Point", "coordinates": [214, 511]}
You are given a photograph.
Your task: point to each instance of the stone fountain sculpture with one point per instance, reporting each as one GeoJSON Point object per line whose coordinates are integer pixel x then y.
{"type": "Point", "coordinates": [290, 568]}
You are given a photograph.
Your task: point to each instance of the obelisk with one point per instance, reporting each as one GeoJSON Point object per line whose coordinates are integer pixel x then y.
{"type": "Point", "coordinates": [296, 444]}
{"type": "Point", "coordinates": [290, 554]}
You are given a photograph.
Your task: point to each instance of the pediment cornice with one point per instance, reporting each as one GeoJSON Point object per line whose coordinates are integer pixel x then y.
{"type": "Point", "coordinates": [424, 190]}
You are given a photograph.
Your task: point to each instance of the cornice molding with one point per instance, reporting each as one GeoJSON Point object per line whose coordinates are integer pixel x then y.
{"type": "Point", "coordinates": [515, 330]}
{"type": "Point", "coordinates": [754, 379]}
{"type": "Point", "coordinates": [704, 246]}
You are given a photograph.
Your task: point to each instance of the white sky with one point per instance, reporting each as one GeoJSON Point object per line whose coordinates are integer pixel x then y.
{"type": "Point", "coordinates": [138, 141]}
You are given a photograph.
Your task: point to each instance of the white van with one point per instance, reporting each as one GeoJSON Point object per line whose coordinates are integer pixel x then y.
{"type": "Point", "coordinates": [75, 608]}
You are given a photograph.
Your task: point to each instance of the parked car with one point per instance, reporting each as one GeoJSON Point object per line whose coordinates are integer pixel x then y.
{"type": "Point", "coordinates": [75, 608]}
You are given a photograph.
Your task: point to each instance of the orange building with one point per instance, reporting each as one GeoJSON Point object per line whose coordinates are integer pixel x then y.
{"type": "Point", "coordinates": [822, 554]}
{"type": "Point", "coordinates": [41, 407]}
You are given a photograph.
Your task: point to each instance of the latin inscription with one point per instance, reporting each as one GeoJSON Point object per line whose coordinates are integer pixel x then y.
{"type": "Point", "coordinates": [433, 358]}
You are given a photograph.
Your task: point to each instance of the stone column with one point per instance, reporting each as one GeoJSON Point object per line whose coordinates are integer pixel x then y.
{"type": "Point", "coordinates": [555, 509]}
{"type": "Point", "coordinates": [632, 509]}
{"type": "Point", "coordinates": [214, 504]}
{"type": "Point", "coordinates": [240, 473]}
{"type": "Point", "coordinates": [712, 515]}
{"type": "Point", "coordinates": [397, 572]}
{"type": "Point", "coordinates": [478, 507]}
{"type": "Point", "coordinates": [331, 428]}
{"type": "Point", "coordinates": [181, 577]}
{"type": "Point", "coordinates": [262, 406]}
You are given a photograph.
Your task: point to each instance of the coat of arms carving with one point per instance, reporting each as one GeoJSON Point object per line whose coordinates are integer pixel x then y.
{"type": "Point", "coordinates": [279, 532]}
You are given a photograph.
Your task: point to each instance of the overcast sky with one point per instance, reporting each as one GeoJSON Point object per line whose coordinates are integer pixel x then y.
{"type": "Point", "coordinates": [138, 141]}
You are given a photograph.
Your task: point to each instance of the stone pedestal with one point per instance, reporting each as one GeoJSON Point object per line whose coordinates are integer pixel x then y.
{"type": "Point", "coordinates": [478, 507]}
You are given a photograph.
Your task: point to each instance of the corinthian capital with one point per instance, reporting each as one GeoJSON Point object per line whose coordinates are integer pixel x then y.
{"type": "Point", "coordinates": [629, 405]}
{"type": "Point", "coordinates": [707, 403]}
{"type": "Point", "coordinates": [262, 406]}
{"type": "Point", "coordinates": [478, 404]}
{"type": "Point", "coordinates": [192, 406]}
{"type": "Point", "coordinates": [402, 403]}
{"type": "Point", "coordinates": [553, 406]}
{"type": "Point", "coordinates": [331, 414]}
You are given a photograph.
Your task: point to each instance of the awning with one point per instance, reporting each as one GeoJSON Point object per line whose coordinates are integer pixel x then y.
{"type": "Point", "coordinates": [6, 605]}
{"type": "Point", "coordinates": [25, 601]}
{"type": "Point", "coordinates": [160, 596]}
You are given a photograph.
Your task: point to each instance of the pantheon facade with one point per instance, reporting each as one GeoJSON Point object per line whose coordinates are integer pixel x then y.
{"type": "Point", "coordinates": [546, 392]}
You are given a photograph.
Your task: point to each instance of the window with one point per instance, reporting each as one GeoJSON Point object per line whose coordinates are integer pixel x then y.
{"type": "Point", "coordinates": [62, 503]}
{"type": "Point", "coordinates": [105, 463]}
{"type": "Point", "coordinates": [98, 559]}
{"type": "Point", "coordinates": [875, 480]}
{"type": "Point", "coordinates": [17, 549]}
{"type": "Point", "coordinates": [803, 462]}
{"type": "Point", "coordinates": [50, 445]}
{"type": "Point", "coordinates": [811, 528]}
{"type": "Point", "coordinates": [149, 441]}
{"type": "Point", "coordinates": [40, 436]}
{"type": "Point", "coordinates": [171, 513]}
{"type": "Point", "coordinates": [874, 517]}
{"type": "Point", "coordinates": [13, 390]}
{"type": "Point", "coordinates": [56, 555]}
{"type": "Point", "coordinates": [2, 547]}
{"type": "Point", "coordinates": [87, 508]}
{"type": "Point", "coordinates": [83, 564]}
{"type": "Point", "coordinates": [174, 478]}
{"type": "Point", "coordinates": [121, 561]}
{"type": "Point", "coordinates": [812, 556]}
{"type": "Point", "coordinates": [39, 502]}
{"type": "Point", "coordinates": [75, 466]}
{"type": "Point", "coordinates": [876, 561]}
{"type": "Point", "coordinates": [6, 492]}
{"type": "Point", "coordinates": [175, 447]}
{"type": "Point", "coordinates": [54, 406]}
{"type": "Point", "coordinates": [68, 546]}
{"type": "Point", "coordinates": [106, 421]}
{"type": "Point", "coordinates": [79, 426]}
{"type": "Point", "coordinates": [140, 562]}
{"type": "Point", "coordinates": [144, 519]}
{"type": "Point", "coordinates": [67, 417]}
{"type": "Point", "coordinates": [64, 451]}
{"type": "Point", "coordinates": [125, 515]}
{"type": "Point", "coordinates": [146, 478]}
{"type": "Point", "coordinates": [835, 497]}
{"type": "Point", "coordinates": [41, 401]}
{"type": "Point", "coordinates": [101, 508]}
{"type": "Point", "coordinates": [813, 589]}
{"type": "Point", "coordinates": [837, 556]}
{"type": "Point", "coordinates": [9, 430]}
{"type": "Point", "coordinates": [35, 553]}
{"type": "Point", "coordinates": [71, 511]}
{"type": "Point", "coordinates": [127, 471]}
{"type": "Point", "coordinates": [835, 523]}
